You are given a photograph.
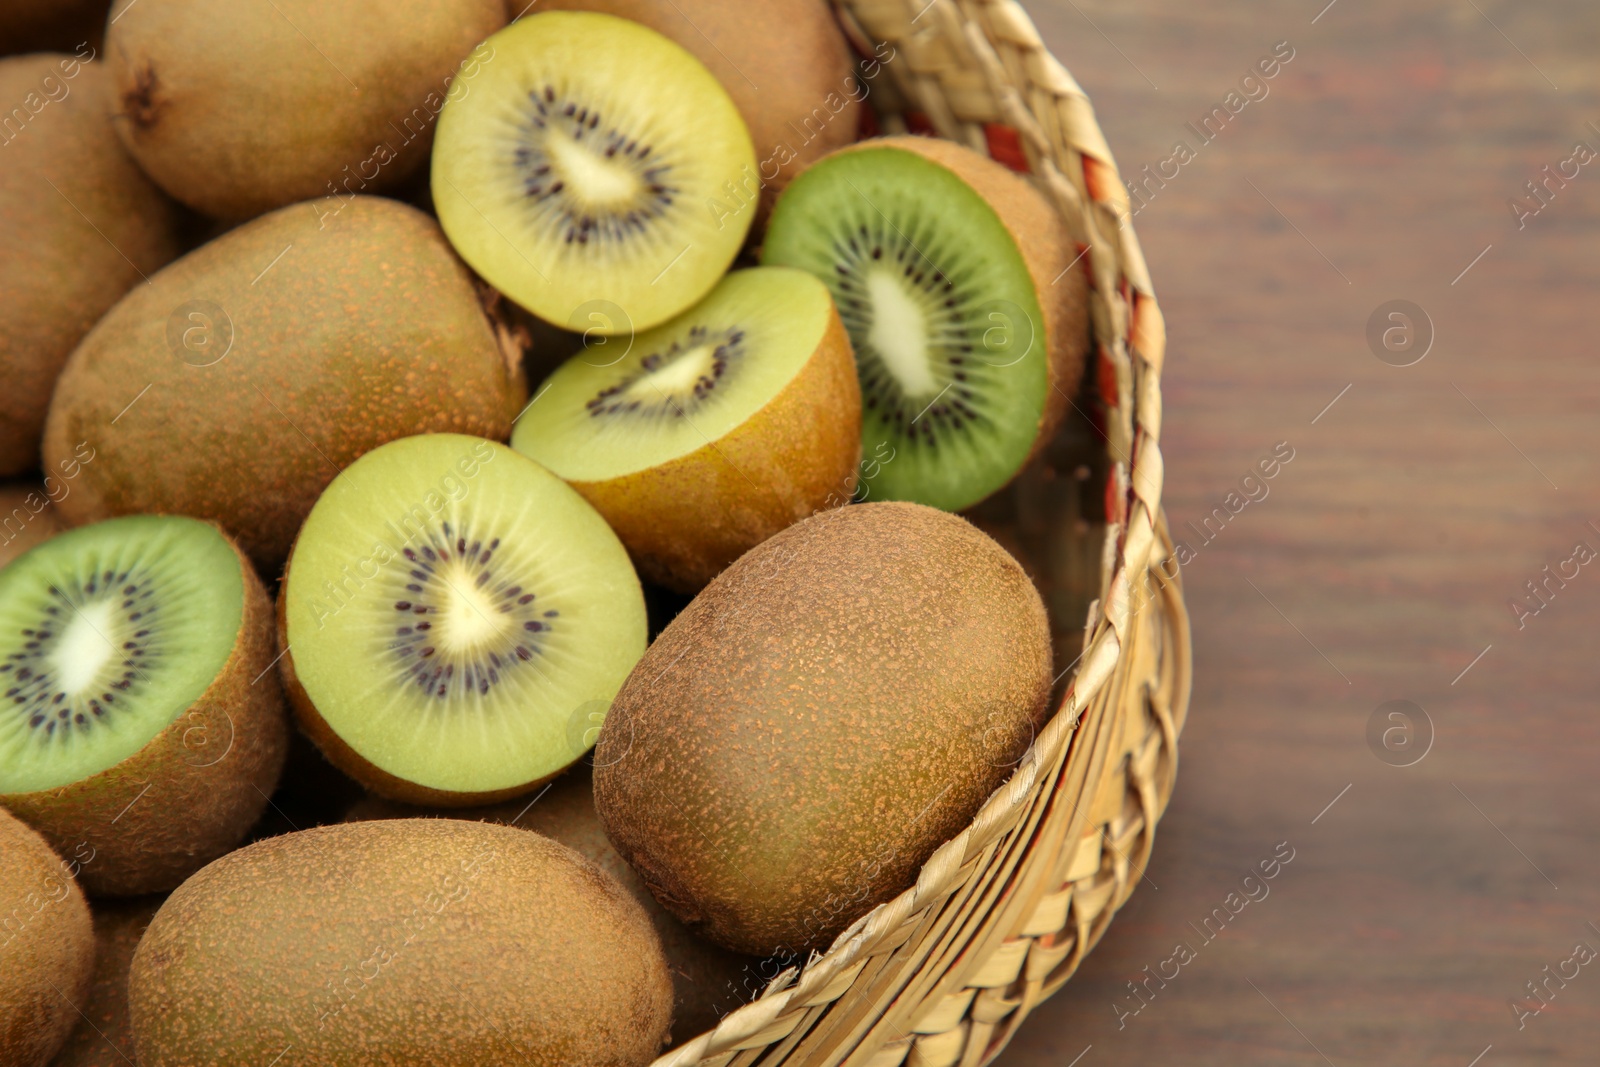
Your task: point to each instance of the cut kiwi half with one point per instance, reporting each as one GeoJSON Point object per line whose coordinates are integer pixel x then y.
{"type": "Point", "coordinates": [455, 621]}
{"type": "Point", "coordinates": [965, 301]}
{"type": "Point", "coordinates": [575, 172]}
{"type": "Point", "coordinates": [141, 730]}
{"type": "Point", "coordinates": [701, 438]}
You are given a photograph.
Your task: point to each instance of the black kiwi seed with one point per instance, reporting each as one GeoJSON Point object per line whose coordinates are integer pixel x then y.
{"type": "Point", "coordinates": [35, 690]}
{"type": "Point", "coordinates": [920, 420]}
{"type": "Point", "coordinates": [421, 590]}
{"type": "Point", "coordinates": [551, 116]}
{"type": "Point", "coordinates": [728, 349]}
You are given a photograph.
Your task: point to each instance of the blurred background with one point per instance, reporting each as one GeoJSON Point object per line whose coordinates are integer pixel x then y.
{"type": "Point", "coordinates": [1442, 901]}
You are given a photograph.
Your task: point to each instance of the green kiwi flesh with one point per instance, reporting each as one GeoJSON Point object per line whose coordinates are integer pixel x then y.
{"type": "Point", "coordinates": [827, 712]}
{"type": "Point", "coordinates": [141, 729]}
{"type": "Point", "coordinates": [943, 314]}
{"type": "Point", "coordinates": [107, 634]}
{"type": "Point", "coordinates": [416, 941]}
{"type": "Point", "coordinates": [575, 174]}
{"type": "Point", "coordinates": [455, 618]}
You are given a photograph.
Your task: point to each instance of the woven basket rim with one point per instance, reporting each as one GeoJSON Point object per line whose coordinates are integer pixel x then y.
{"type": "Point", "coordinates": [1069, 160]}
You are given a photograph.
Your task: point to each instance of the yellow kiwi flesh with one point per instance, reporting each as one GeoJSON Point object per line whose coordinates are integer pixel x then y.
{"type": "Point", "coordinates": [576, 176]}
{"type": "Point", "coordinates": [254, 369]}
{"type": "Point", "coordinates": [416, 941]}
{"type": "Point", "coordinates": [452, 618]}
{"type": "Point", "coordinates": [82, 225]}
{"type": "Point", "coordinates": [785, 63]}
{"type": "Point", "coordinates": [711, 432]}
{"type": "Point", "coordinates": [237, 109]}
{"type": "Point", "coordinates": [707, 981]}
{"type": "Point", "coordinates": [46, 945]}
{"type": "Point", "coordinates": [827, 712]}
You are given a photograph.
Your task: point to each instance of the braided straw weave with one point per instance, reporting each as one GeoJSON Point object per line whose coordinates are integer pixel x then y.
{"type": "Point", "coordinates": [1003, 913]}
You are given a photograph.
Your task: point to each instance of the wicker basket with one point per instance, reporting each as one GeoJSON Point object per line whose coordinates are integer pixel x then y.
{"type": "Point", "coordinates": [1002, 914]}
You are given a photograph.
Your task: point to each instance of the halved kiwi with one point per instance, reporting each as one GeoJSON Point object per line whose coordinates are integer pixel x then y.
{"type": "Point", "coordinates": [577, 171]}
{"type": "Point", "coordinates": [785, 63]}
{"type": "Point", "coordinates": [965, 302]}
{"type": "Point", "coordinates": [701, 438]}
{"type": "Point", "coordinates": [455, 621]}
{"type": "Point", "coordinates": [143, 730]}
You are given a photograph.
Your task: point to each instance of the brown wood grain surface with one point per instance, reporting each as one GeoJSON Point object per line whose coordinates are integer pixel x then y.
{"type": "Point", "coordinates": [1380, 164]}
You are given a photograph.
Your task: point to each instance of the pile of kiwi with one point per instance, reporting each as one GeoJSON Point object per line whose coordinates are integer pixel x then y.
{"type": "Point", "coordinates": [480, 571]}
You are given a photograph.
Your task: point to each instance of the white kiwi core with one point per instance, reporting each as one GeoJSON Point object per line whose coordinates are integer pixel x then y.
{"type": "Point", "coordinates": [591, 177]}
{"type": "Point", "coordinates": [899, 333]}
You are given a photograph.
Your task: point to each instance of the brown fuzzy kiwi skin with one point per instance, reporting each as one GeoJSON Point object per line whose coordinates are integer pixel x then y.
{"type": "Point", "coordinates": [341, 755]}
{"type": "Point", "coordinates": [707, 981]}
{"type": "Point", "coordinates": [46, 947]}
{"type": "Point", "coordinates": [437, 941]}
{"type": "Point", "coordinates": [832, 708]}
{"type": "Point", "coordinates": [60, 272]}
{"type": "Point", "coordinates": [104, 1035]}
{"type": "Point", "coordinates": [687, 519]}
{"type": "Point", "coordinates": [27, 518]}
{"type": "Point", "coordinates": [239, 109]}
{"type": "Point", "coordinates": [785, 63]}
{"type": "Point", "coordinates": [367, 329]}
{"type": "Point", "coordinates": [1048, 250]}
{"type": "Point", "coordinates": [149, 822]}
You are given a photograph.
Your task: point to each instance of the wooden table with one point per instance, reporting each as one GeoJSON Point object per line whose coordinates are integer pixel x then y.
{"type": "Point", "coordinates": [1379, 166]}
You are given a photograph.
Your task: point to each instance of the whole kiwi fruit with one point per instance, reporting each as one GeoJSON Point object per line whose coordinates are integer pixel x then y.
{"type": "Point", "coordinates": [46, 947]}
{"type": "Point", "coordinates": [103, 1036]}
{"type": "Point", "coordinates": [27, 517]}
{"type": "Point", "coordinates": [707, 981]}
{"type": "Point", "coordinates": [827, 712]}
{"type": "Point", "coordinates": [247, 374]}
{"type": "Point", "coordinates": [82, 224]}
{"type": "Point", "coordinates": [785, 63]}
{"type": "Point", "coordinates": [417, 941]}
{"type": "Point", "coordinates": [236, 109]}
